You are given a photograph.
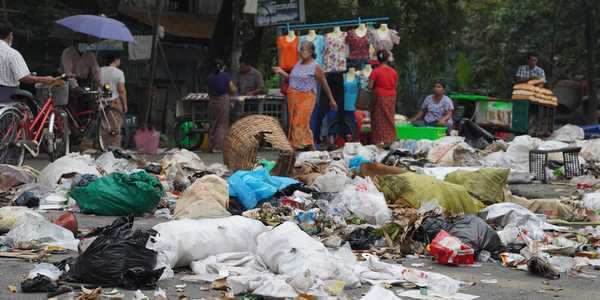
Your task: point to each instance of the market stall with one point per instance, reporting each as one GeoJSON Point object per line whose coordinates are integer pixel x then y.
{"type": "Point", "coordinates": [521, 116]}
{"type": "Point", "coordinates": [193, 121]}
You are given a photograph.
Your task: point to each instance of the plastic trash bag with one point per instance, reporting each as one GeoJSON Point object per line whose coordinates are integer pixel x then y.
{"type": "Point", "coordinates": [207, 197]}
{"type": "Point", "coordinates": [252, 187]}
{"type": "Point", "coordinates": [589, 149]}
{"type": "Point", "coordinates": [415, 190]}
{"type": "Point", "coordinates": [487, 185]}
{"type": "Point", "coordinates": [179, 243]}
{"type": "Point", "coordinates": [181, 160]}
{"type": "Point", "coordinates": [10, 216]}
{"type": "Point", "coordinates": [379, 293]}
{"type": "Point", "coordinates": [117, 257]}
{"type": "Point", "coordinates": [46, 269]}
{"type": "Point", "coordinates": [313, 157]}
{"type": "Point", "coordinates": [449, 151]}
{"type": "Point", "coordinates": [592, 201]}
{"type": "Point", "coordinates": [364, 200]}
{"type": "Point", "coordinates": [73, 163]}
{"type": "Point", "coordinates": [39, 284]}
{"type": "Point", "coordinates": [330, 182]}
{"type": "Point", "coordinates": [512, 214]}
{"type": "Point", "coordinates": [119, 194]}
{"type": "Point", "coordinates": [33, 229]}
{"type": "Point", "coordinates": [568, 134]}
{"type": "Point", "coordinates": [288, 250]}
{"type": "Point", "coordinates": [473, 231]}
{"type": "Point", "coordinates": [11, 176]}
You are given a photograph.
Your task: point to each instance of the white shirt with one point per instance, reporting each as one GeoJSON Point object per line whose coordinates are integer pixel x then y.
{"type": "Point", "coordinates": [112, 76]}
{"type": "Point", "coordinates": [12, 66]}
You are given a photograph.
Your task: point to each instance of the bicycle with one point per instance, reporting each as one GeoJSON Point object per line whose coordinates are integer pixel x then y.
{"type": "Point", "coordinates": [100, 121]}
{"type": "Point", "coordinates": [21, 131]}
{"type": "Point", "coordinates": [27, 125]}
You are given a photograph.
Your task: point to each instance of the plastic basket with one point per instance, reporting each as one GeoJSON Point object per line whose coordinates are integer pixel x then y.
{"type": "Point", "coordinates": [410, 132]}
{"type": "Point", "coordinates": [538, 161]}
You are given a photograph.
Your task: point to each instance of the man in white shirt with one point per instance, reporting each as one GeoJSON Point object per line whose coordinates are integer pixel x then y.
{"type": "Point", "coordinates": [115, 78]}
{"type": "Point", "coordinates": [13, 69]}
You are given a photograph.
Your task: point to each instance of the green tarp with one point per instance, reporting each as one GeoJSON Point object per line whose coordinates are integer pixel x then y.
{"type": "Point", "coordinates": [119, 194]}
{"type": "Point", "coordinates": [487, 185]}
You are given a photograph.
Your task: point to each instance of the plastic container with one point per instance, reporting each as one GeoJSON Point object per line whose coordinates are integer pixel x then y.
{"type": "Point", "coordinates": [410, 132]}
{"type": "Point", "coordinates": [448, 249]}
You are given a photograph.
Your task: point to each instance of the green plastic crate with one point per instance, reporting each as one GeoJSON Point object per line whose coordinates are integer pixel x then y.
{"type": "Point", "coordinates": [410, 132]}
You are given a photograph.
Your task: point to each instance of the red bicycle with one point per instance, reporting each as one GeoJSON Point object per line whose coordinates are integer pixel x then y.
{"type": "Point", "coordinates": [28, 125]}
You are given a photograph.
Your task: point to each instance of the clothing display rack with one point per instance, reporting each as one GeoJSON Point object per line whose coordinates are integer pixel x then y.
{"type": "Point", "coordinates": [346, 23]}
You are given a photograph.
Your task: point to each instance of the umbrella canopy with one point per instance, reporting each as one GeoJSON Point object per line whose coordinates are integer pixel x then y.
{"type": "Point", "coordinates": [98, 27]}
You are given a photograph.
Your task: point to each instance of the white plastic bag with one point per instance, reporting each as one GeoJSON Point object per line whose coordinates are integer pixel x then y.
{"type": "Point", "coordinates": [46, 269]}
{"type": "Point", "coordinates": [353, 149]}
{"type": "Point", "coordinates": [379, 293]}
{"type": "Point", "coordinates": [42, 231]}
{"type": "Point", "coordinates": [589, 149]}
{"type": "Point", "coordinates": [363, 199]}
{"type": "Point", "coordinates": [180, 242]}
{"type": "Point", "coordinates": [10, 216]}
{"type": "Point", "coordinates": [568, 134]}
{"type": "Point", "coordinates": [330, 182]}
{"type": "Point", "coordinates": [288, 250]}
{"type": "Point", "coordinates": [592, 201]}
{"type": "Point", "coordinates": [313, 157]}
{"type": "Point", "coordinates": [73, 163]}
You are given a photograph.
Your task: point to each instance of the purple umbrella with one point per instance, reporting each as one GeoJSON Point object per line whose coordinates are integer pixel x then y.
{"type": "Point", "coordinates": [98, 27]}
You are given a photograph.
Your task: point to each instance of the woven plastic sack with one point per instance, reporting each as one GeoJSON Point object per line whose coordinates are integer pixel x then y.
{"type": "Point", "coordinates": [119, 194]}
{"type": "Point", "coordinates": [487, 185]}
{"type": "Point", "coordinates": [415, 190]}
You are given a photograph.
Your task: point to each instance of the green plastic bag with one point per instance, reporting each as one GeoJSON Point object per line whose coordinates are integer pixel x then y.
{"type": "Point", "coordinates": [487, 185]}
{"type": "Point", "coordinates": [416, 190]}
{"type": "Point", "coordinates": [119, 194]}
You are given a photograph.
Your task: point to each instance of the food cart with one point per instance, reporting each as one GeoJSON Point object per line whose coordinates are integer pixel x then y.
{"type": "Point", "coordinates": [506, 115]}
{"type": "Point", "coordinates": [192, 115]}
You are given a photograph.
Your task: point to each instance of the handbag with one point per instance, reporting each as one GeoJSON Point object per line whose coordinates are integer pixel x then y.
{"type": "Point", "coordinates": [365, 100]}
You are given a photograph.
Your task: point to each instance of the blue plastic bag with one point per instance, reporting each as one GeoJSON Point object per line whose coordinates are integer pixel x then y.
{"type": "Point", "coordinates": [356, 162]}
{"type": "Point", "coordinates": [252, 187]}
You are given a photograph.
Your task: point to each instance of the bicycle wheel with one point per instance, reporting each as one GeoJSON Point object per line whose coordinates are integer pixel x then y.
{"type": "Point", "coordinates": [111, 123]}
{"type": "Point", "coordinates": [188, 134]}
{"type": "Point", "coordinates": [10, 153]}
{"type": "Point", "coordinates": [59, 137]}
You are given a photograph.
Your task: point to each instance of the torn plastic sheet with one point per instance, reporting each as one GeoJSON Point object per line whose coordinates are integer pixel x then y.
{"type": "Point", "coordinates": [43, 232]}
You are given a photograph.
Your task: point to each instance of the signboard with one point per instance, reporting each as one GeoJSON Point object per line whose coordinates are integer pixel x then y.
{"type": "Point", "coordinates": [277, 12]}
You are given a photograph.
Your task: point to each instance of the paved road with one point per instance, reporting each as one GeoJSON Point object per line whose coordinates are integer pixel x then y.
{"type": "Point", "coordinates": [511, 284]}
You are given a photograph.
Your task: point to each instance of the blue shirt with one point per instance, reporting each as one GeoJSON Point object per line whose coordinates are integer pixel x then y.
{"type": "Point", "coordinates": [218, 84]}
{"type": "Point", "coordinates": [319, 43]}
{"type": "Point", "coordinates": [351, 89]}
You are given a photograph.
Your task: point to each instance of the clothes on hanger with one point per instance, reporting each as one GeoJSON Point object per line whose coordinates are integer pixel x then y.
{"type": "Point", "coordinates": [384, 40]}
{"type": "Point", "coordinates": [351, 88]}
{"type": "Point", "coordinates": [319, 42]}
{"type": "Point", "coordinates": [335, 54]}
{"type": "Point", "coordinates": [288, 52]}
{"type": "Point", "coordinates": [358, 46]}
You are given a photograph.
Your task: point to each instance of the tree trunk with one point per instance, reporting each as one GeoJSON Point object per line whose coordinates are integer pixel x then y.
{"type": "Point", "coordinates": [236, 44]}
{"type": "Point", "coordinates": [591, 109]}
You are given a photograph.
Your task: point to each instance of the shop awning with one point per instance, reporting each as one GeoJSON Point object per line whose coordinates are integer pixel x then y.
{"type": "Point", "coordinates": [177, 24]}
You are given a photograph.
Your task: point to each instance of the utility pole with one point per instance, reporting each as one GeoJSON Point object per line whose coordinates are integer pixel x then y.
{"type": "Point", "coordinates": [591, 109]}
{"type": "Point", "coordinates": [236, 45]}
{"type": "Point", "coordinates": [153, 58]}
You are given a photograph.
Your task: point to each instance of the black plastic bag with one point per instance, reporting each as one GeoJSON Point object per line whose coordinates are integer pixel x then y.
{"type": "Point", "coordinates": [289, 190]}
{"type": "Point", "coordinates": [430, 228]}
{"type": "Point", "coordinates": [39, 284]}
{"type": "Point", "coordinates": [362, 238]}
{"type": "Point", "coordinates": [477, 233]}
{"type": "Point", "coordinates": [118, 258]}
{"type": "Point", "coordinates": [27, 199]}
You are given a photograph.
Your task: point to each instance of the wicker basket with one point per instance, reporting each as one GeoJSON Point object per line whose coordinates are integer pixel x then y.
{"type": "Point", "coordinates": [245, 138]}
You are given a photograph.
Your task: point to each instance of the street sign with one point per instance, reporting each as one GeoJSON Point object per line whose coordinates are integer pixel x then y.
{"type": "Point", "coordinates": [277, 12]}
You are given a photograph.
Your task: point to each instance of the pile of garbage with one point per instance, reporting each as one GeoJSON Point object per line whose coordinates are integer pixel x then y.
{"type": "Point", "coordinates": [342, 220]}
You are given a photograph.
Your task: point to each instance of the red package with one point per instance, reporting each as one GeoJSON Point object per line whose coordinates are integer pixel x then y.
{"type": "Point", "coordinates": [448, 249]}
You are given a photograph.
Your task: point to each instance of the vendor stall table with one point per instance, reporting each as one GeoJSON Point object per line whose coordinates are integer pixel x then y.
{"type": "Point", "coordinates": [517, 116]}
{"type": "Point", "coordinates": [192, 114]}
